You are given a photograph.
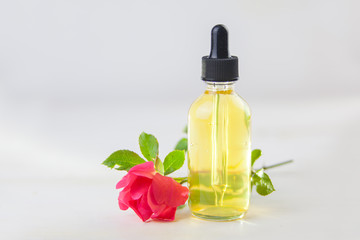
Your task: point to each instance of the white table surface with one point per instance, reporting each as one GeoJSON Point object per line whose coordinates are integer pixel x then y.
{"type": "Point", "coordinates": [53, 186]}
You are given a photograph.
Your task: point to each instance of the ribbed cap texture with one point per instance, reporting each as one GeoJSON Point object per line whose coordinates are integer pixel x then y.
{"type": "Point", "coordinates": [220, 70]}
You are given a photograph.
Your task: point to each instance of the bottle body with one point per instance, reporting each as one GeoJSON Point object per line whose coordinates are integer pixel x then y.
{"type": "Point", "coordinates": [219, 152]}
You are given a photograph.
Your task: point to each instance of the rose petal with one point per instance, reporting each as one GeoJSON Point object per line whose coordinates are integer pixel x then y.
{"type": "Point", "coordinates": [167, 214]}
{"type": "Point", "coordinates": [144, 208]}
{"type": "Point", "coordinates": [140, 187]}
{"type": "Point", "coordinates": [123, 182]}
{"type": "Point", "coordinates": [166, 190]}
{"type": "Point", "coordinates": [154, 205]}
{"type": "Point", "coordinates": [124, 199]}
{"type": "Point", "coordinates": [144, 169]}
{"type": "Point", "coordinates": [141, 208]}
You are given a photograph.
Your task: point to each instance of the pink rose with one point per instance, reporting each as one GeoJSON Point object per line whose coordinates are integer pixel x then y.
{"type": "Point", "coordinates": [150, 194]}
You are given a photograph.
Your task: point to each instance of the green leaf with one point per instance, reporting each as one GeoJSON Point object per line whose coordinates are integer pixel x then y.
{"type": "Point", "coordinates": [255, 154]}
{"type": "Point", "coordinates": [159, 167]}
{"type": "Point", "coordinates": [182, 144]}
{"type": "Point", "coordinates": [149, 146]}
{"type": "Point", "coordinates": [124, 159]}
{"type": "Point", "coordinates": [185, 130]}
{"type": "Point", "coordinates": [262, 182]}
{"type": "Point", "coordinates": [173, 161]}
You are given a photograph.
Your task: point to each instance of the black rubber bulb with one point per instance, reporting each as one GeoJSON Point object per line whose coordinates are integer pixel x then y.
{"type": "Point", "coordinates": [219, 42]}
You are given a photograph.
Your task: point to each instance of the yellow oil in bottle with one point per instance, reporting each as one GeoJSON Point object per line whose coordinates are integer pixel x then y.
{"type": "Point", "coordinates": [219, 152]}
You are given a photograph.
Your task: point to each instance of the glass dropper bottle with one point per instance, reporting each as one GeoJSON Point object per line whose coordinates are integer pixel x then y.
{"type": "Point", "coordinates": [219, 134]}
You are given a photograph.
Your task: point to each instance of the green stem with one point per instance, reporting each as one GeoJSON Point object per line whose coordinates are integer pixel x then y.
{"type": "Point", "coordinates": [180, 180]}
{"type": "Point", "coordinates": [184, 181]}
{"type": "Point", "coordinates": [277, 165]}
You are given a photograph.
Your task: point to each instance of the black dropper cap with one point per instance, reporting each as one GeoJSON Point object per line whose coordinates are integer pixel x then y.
{"type": "Point", "coordinates": [219, 66]}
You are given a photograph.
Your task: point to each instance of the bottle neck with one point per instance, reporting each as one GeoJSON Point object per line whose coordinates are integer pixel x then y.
{"type": "Point", "coordinates": [220, 87]}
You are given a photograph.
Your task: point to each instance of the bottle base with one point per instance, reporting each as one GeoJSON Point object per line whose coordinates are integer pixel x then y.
{"type": "Point", "coordinates": [218, 217]}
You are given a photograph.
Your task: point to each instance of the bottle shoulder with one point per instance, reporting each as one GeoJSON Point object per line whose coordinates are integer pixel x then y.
{"type": "Point", "coordinates": [205, 104]}
{"type": "Point", "coordinates": [244, 103]}
{"type": "Point", "coordinates": [197, 100]}
{"type": "Point", "coordinates": [229, 98]}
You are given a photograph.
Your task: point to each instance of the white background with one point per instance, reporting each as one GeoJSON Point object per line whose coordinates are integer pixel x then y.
{"type": "Point", "coordinates": [81, 79]}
